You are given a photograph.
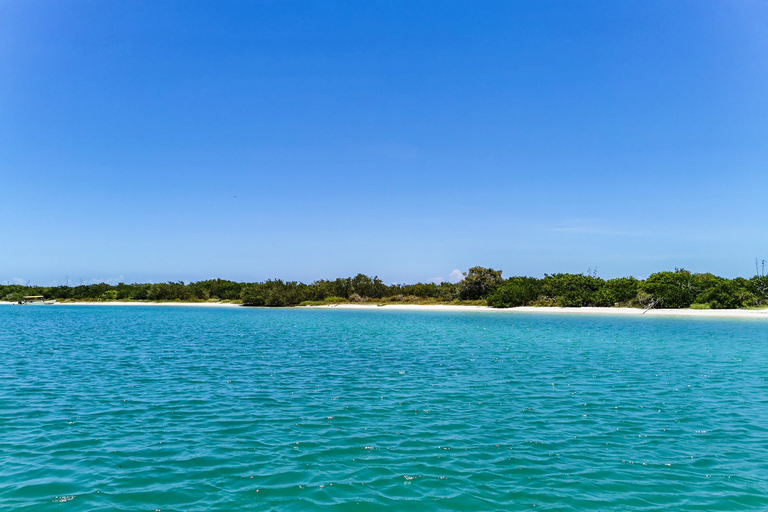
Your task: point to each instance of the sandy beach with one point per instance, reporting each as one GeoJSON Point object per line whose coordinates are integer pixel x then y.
{"type": "Point", "coordinates": [704, 313]}
{"type": "Point", "coordinates": [710, 313]}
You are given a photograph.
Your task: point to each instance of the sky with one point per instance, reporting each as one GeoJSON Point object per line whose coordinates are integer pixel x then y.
{"type": "Point", "coordinates": [150, 141]}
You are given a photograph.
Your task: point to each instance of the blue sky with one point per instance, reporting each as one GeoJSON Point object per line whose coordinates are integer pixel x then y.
{"type": "Point", "coordinates": [156, 141]}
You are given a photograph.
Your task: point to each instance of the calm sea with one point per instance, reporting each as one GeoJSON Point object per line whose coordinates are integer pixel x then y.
{"type": "Point", "coordinates": [200, 409]}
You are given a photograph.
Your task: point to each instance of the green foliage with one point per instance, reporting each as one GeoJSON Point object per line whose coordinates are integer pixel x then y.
{"type": "Point", "coordinates": [109, 295]}
{"type": "Point", "coordinates": [676, 289]}
{"type": "Point", "coordinates": [621, 290]}
{"type": "Point", "coordinates": [319, 290]}
{"type": "Point", "coordinates": [545, 302]}
{"type": "Point", "coordinates": [448, 291]}
{"type": "Point", "coordinates": [478, 283]}
{"type": "Point", "coordinates": [274, 293]}
{"type": "Point", "coordinates": [644, 300]}
{"type": "Point", "coordinates": [169, 291]}
{"type": "Point", "coordinates": [421, 289]}
{"type": "Point", "coordinates": [573, 290]}
{"type": "Point", "coordinates": [683, 289]}
{"type": "Point", "coordinates": [724, 294]}
{"type": "Point", "coordinates": [13, 292]}
{"type": "Point", "coordinates": [217, 289]}
{"type": "Point", "coordinates": [364, 286]}
{"type": "Point", "coordinates": [514, 292]}
{"type": "Point", "coordinates": [758, 286]}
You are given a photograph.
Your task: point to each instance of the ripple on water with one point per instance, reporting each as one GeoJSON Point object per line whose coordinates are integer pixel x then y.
{"type": "Point", "coordinates": [148, 408]}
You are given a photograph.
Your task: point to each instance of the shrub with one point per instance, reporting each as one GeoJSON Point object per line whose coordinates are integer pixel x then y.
{"type": "Point", "coordinates": [274, 293]}
{"type": "Point", "coordinates": [727, 295]}
{"type": "Point", "coordinates": [572, 290]}
{"type": "Point", "coordinates": [514, 292]}
{"type": "Point", "coordinates": [676, 289]}
{"type": "Point", "coordinates": [545, 302]}
{"type": "Point", "coordinates": [621, 290]}
{"type": "Point", "coordinates": [335, 300]}
{"type": "Point", "coordinates": [109, 295]}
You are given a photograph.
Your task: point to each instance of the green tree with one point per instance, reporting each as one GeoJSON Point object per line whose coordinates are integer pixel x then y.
{"type": "Point", "coordinates": [725, 294]}
{"type": "Point", "coordinates": [676, 289]}
{"type": "Point", "coordinates": [424, 290]}
{"type": "Point", "coordinates": [367, 287]}
{"type": "Point", "coordinates": [572, 290]}
{"type": "Point", "coordinates": [620, 290]}
{"type": "Point", "coordinates": [478, 283]}
{"type": "Point", "coordinates": [514, 292]}
{"type": "Point", "coordinates": [168, 291]}
{"type": "Point", "coordinates": [274, 293]}
{"type": "Point", "coordinates": [758, 285]}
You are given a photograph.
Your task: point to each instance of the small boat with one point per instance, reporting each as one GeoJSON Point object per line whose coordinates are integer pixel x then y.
{"type": "Point", "coordinates": [36, 299]}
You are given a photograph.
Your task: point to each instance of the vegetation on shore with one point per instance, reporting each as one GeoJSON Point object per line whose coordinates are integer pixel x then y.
{"type": "Point", "coordinates": [480, 286]}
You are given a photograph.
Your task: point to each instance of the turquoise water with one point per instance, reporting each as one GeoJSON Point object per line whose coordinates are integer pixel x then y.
{"type": "Point", "coordinates": [190, 408]}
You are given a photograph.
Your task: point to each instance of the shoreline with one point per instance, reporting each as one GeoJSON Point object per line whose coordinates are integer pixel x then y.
{"type": "Point", "coordinates": [706, 313]}
{"type": "Point", "coordinates": [131, 303]}
{"type": "Point", "coordinates": [700, 313]}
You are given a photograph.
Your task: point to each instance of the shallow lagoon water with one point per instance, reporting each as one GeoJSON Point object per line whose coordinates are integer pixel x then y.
{"type": "Point", "coordinates": [187, 409]}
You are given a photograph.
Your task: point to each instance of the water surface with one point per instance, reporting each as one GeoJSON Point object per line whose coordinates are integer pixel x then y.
{"type": "Point", "coordinates": [147, 408]}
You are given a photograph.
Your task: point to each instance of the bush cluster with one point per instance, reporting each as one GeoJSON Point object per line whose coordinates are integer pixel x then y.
{"type": "Point", "coordinates": [360, 288]}
{"type": "Point", "coordinates": [678, 289]}
{"type": "Point", "coordinates": [274, 293]}
{"type": "Point", "coordinates": [218, 289]}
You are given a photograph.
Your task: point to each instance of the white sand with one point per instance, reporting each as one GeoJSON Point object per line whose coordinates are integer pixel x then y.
{"type": "Point", "coordinates": [705, 313]}
{"type": "Point", "coordinates": [718, 313]}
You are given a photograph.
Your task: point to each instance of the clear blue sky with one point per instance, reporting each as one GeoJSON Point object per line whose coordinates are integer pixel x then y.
{"type": "Point", "coordinates": [155, 141]}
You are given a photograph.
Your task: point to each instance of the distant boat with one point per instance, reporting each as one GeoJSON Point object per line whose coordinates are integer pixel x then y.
{"type": "Point", "coordinates": [36, 299]}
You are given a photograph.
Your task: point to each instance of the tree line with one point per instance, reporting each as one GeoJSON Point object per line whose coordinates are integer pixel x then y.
{"type": "Point", "coordinates": [273, 292]}
{"type": "Point", "coordinates": [668, 289]}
